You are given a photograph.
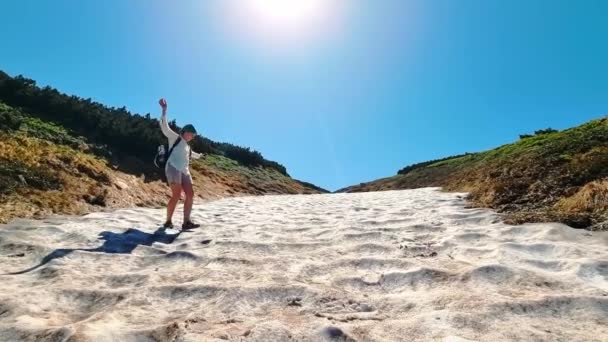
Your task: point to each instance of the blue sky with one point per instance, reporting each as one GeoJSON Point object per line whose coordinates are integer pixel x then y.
{"type": "Point", "coordinates": [385, 84]}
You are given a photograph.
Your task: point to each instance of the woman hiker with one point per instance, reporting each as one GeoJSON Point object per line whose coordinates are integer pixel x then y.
{"type": "Point", "coordinates": [177, 169]}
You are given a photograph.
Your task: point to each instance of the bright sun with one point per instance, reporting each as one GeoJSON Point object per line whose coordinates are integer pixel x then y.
{"type": "Point", "coordinates": [282, 21]}
{"type": "Point", "coordinates": [285, 12]}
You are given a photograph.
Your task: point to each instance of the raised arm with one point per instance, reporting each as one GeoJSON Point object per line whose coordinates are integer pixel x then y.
{"type": "Point", "coordinates": [164, 125]}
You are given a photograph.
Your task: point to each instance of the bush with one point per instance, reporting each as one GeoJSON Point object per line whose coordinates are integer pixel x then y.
{"type": "Point", "coordinates": [545, 131]}
{"type": "Point", "coordinates": [539, 132]}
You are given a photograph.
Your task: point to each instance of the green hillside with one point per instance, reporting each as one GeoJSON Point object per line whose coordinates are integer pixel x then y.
{"type": "Point", "coordinates": [547, 176]}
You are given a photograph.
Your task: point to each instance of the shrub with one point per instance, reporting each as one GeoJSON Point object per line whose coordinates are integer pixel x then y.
{"type": "Point", "coordinates": [538, 132]}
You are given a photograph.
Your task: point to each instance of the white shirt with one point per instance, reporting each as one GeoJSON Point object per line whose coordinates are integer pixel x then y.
{"type": "Point", "coordinates": [180, 157]}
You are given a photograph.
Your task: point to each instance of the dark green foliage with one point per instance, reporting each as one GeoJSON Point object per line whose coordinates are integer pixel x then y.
{"type": "Point", "coordinates": [249, 158]}
{"type": "Point", "coordinates": [203, 145]}
{"type": "Point", "coordinates": [10, 119]}
{"type": "Point", "coordinates": [13, 120]}
{"type": "Point", "coordinates": [246, 156]}
{"type": "Point", "coordinates": [129, 135]}
{"type": "Point", "coordinates": [427, 163]}
{"type": "Point", "coordinates": [12, 175]}
{"type": "Point", "coordinates": [545, 131]}
{"type": "Point", "coordinates": [48, 131]}
{"type": "Point", "coordinates": [539, 132]}
{"type": "Point", "coordinates": [276, 166]}
{"type": "Point", "coordinates": [312, 186]}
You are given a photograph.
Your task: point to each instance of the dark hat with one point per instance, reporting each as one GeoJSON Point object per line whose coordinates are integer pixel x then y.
{"type": "Point", "coordinates": [188, 128]}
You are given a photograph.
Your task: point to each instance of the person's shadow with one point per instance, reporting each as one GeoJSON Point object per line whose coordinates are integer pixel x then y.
{"type": "Point", "coordinates": [114, 243]}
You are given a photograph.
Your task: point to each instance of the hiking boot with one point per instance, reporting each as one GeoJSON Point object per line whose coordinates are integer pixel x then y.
{"type": "Point", "coordinates": [190, 225]}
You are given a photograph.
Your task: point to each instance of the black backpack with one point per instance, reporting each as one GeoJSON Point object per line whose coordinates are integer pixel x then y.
{"type": "Point", "coordinates": [160, 160]}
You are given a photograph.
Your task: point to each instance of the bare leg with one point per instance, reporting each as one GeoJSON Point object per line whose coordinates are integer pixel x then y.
{"type": "Point", "coordinates": [176, 193]}
{"type": "Point", "coordinates": [189, 191]}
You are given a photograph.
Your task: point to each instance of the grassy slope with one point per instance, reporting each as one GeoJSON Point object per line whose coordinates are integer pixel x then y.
{"type": "Point", "coordinates": [556, 176]}
{"type": "Point", "coordinates": [45, 169]}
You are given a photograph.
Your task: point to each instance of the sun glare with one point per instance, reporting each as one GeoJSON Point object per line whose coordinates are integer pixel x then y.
{"type": "Point", "coordinates": [282, 21]}
{"type": "Point", "coordinates": [284, 12]}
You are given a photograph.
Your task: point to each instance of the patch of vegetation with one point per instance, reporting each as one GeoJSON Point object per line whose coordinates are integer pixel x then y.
{"type": "Point", "coordinates": [15, 175]}
{"type": "Point", "coordinates": [219, 162]}
{"type": "Point", "coordinates": [247, 157]}
{"type": "Point", "coordinates": [10, 119]}
{"type": "Point", "coordinates": [37, 128]}
{"type": "Point", "coordinates": [312, 186]}
{"type": "Point", "coordinates": [430, 163]}
{"type": "Point", "coordinates": [539, 132]}
{"type": "Point", "coordinates": [14, 120]}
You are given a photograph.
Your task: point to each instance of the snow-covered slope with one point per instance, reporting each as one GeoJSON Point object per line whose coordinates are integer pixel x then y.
{"type": "Point", "coordinates": [401, 265]}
